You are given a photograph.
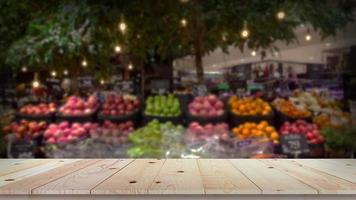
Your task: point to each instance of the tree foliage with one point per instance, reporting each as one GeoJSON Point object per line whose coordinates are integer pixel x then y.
{"type": "Point", "coordinates": [58, 34]}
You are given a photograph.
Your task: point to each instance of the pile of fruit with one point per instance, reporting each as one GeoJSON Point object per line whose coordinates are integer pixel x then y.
{"type": "Point", "coordinates": [335, 121]}
{"type": "Point", "coordinates": [163, 106]}
{"type": "Point", "coordinates": [291, 110]}
{"type": "Point", "coordinates": [26, 130]}
{"type": "Point", "coordinates": [117, 105]}
{"type": "Point", "coordinates": [148, 140]}
{"type": "Point", "coordinates": [310, 131]}
{"type": "Point", "coordinates": [112, 133]}
{"type": "Point", "coordinates": [76, 106]}
{"type": "Point", "coordinates": [254, 130]}
{"type": "Point", "coordinates": [199, 131]}
{"type": "Point", "coordinates": [42, 109]}
{"type": "Point", "coordinates": [249, 106]}
{"type": "Point", "coordinates": [206, 106]}
{"type": "Point", "coordinates": [65, 132]}
{"type": "Point", "coordinates": [316, 101]}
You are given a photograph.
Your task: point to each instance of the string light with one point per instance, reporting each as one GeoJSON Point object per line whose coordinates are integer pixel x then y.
{"type": "Point", "coordinates": [245, 33]}
{"type": "Point", "coordinates": [308, 37]}
{"type": "Point", "coordinates": [122, 25]}
{"type": "Point", "coordinates": [65, 72]}
{"type": "Point", "coordinates": [24, 69]}
{"type": "Point", "coordinates": [253, 53]}
{"type": "Point", "coordinates": [183, 22]}
{"type": "Point", "coordinates": [130, 67]}
{"type": "Point", "coordinates": [84, 63]}
{"type": "Point", "coordinates": [281, 15]}
{"type": "Point", "coordinates": [35, 84]}
{"type": "Point", "coordinates": [117, 49]}
{"type": "Point", "coordinates": [54, 73]}
{"type": "Point", "coordinates": [102, 82]}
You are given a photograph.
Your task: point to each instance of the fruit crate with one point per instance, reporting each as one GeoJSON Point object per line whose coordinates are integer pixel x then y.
{"type": "Point", "coordinates": [47, 118]}
{"type": "Point", "coordinates": [134, 117]}
{"type": "Point", "coordinates": [80, 118]}
{"type": "Point", "coordinates": [206, 120]}
{"type": "Point", "coordinates": [236, 120]}
{"type": "Point", "coordinates": [280, 118]}
{"type": "Point", "coordinates": [174, 119]}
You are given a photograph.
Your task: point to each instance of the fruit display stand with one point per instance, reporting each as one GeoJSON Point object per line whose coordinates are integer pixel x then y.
{"type": "Point", "coordinates": [240, 119]}
{"type": "Point", "coordinates": [207, 119]}
{"type": "Point", "coordinates": [47, 118]}
{"type": "Point", "coordinates": [205, 110]}
{"type": "Point", "coordinates": [135, 116]}
{"type": "Point", "coordinates": [91, 117]}
{"type": "Point", "coordinates": [37, 112]}
{"type": "Point", "coordinates": [164, 108]}
{"type": "Point", "coordinates": [249, 110]}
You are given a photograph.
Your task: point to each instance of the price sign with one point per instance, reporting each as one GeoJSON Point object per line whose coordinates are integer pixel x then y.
{"type": "Point", "coordinates": [294, 144]}
{"type": "Point", "coordinates": [85, 81]}
{"type": "Point", "coordinates": [22, 149]}
{"type": "Point", "coordinates": [200, 90]}
{"type": "Point", "coordinates": [123, 87]}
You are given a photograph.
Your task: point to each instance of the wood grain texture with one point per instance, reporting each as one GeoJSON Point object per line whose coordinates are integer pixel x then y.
{"type": "Point", "coordinates": [136, 178]}
{"type": "Point", "coordinates": [221, 177]}
{"type": "Point", "coordinates": [348, 172]}
{"type": "Point", "coordinates": [83, 180]}
{"type": "Point", "coordinates": [323, 182]}
{"type": "Point", "coordinates": [19, 175]}
{"type": "Point", "coordinates": [271, 180]}
{"type": "Point", "coordinates": [25, 186]}
{"type": "Point", "coordinates": [18, 165]}
{"type": "Point", "coordinates": [174, 176]}
{"type": "Point", "coordinates": [53, 177]}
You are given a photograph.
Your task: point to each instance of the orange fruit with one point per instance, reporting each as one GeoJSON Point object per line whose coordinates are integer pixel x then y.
{"type": "Point", "coordinates": [274, 135]}
{"type": "Point", "coordinates": [245, 132]}
{"type": "Point", "coordinates": [269, 129]}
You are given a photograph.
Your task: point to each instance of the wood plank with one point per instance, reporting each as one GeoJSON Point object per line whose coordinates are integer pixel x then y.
{"type": "Point", "coordinates": [136, 178]}
{"type": "Point", "coordinates": [221, 177]}
{"type": "Point", "coordinates": [346, 162]}
{"type": "Point", "coordinates": [43, 167]}
{"type": "Point", "coordinates": [337, 169]}
{"type": "Point", "coordinates": [6, 163]}
{"type": "Point", "coordinates": [271, 180]}
{"type": "Point", "coordinates": [12, 167]}
{"type": "Point", "coordinates": [174, 176]}
{"type": "Point", "coordinates": [25, 186]}
{"type": "Point", "coordinates": [83, 180]}
{"type": "Point", "coordinates": [323, 182]}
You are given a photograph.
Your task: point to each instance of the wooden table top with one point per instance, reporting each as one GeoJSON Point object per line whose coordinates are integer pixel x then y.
{"type": "Point", "coordinates": [177, 176]}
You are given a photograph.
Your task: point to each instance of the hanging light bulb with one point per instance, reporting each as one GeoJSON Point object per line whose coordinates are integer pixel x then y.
{"type": "Point", "coordinates": [117, 49]}
{"type": "Point", "coordinates": [130, 67]}
{"type": "Point", "coordinates": [245, 33]}
{"type": "Point", "coordinates": [24, 69]}
{"type": "Point", "coordinates": [281, 15]}
{"type": "Point", "coordinates": [308, 37]}
{"type": "Point", "coordinates": [65, 72]}
{"type": "Point", "coordinates": [35, 84]}
{"type": "Point", "coordinates": [84, 63]}
{"type": "Point", "coordinates": [54, 73]}
{"type": "Point", "coordinates": [122, 25]}
{"type": "Point", "coordinates": [253, 53]}
{"type": "Point", "coordinates": [102, 81]}
{"type": "Point", "coordinates": [183, 22]}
